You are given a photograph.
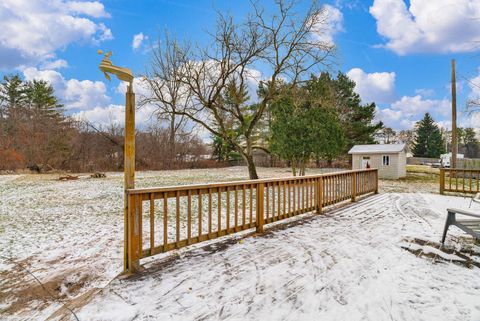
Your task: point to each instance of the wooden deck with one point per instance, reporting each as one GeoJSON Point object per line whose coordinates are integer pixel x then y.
{"type": "Point", "coordinates": [376, 259]}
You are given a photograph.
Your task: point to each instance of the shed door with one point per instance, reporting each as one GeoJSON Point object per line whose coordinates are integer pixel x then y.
{"type": "Point", "coordinates": [366, 162]}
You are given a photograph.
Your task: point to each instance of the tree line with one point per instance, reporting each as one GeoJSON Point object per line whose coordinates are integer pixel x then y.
{"type": "Point", "coordinates": [36, 133]}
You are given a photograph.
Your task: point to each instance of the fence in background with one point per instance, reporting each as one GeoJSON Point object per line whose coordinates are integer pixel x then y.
{"type": "Point", "coordinates": [459, 180]}
{"type": "Point", "coordinates": [166, 218]}
{"type": "Point", "coordinates": [468, 163]}
{"type": "Point", "coordinates": [422, 160]}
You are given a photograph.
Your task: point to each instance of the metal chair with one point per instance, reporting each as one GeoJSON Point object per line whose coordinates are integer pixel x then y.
{"type": "Point", "coordinates": [471, 227]}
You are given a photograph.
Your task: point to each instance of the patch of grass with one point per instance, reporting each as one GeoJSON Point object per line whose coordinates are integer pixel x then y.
{"type": "Point", "coordinates": [422, 169]}
{"type": "Point", "coordinates": [421, 178]}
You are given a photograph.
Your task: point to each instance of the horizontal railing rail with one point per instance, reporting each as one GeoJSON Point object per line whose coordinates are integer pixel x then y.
{"type": "Point", "coordinates": [458, 180]}
{"type": "Point", "coordinates": [166, 218]}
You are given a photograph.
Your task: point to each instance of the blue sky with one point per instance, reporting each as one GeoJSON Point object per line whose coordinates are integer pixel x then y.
{"type": "Point", "coordinates": [397, 51]}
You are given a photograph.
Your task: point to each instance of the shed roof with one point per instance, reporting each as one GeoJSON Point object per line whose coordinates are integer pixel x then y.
{"type": "Point", "coordinates": [377, 149]}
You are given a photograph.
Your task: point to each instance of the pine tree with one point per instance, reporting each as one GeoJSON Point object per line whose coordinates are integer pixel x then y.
{"type": "Point", "coordinates": [305, 124]}
{"type": "Point", "coordinates": [357, 119]}
{"type": "Point", "coordinates": [428, 141]}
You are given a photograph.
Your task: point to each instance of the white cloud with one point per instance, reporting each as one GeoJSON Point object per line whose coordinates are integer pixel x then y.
{"type": "Point", "coordinates": [56, 64]}
{"type": "Point", "coordinates": [425, 92]}
{"type": "Point", "coordinates": [31, 31]}
{"type": "Point", "coordinates": [378, 87]}
{"type": "Point", "coordinates": [74, 94]}
{"type": "Point", "coordinates": [115, 114]}
{"type": "Point", "coordinates": [428, 26]}
{"type": "Point", "coordinates": [138, 39]}
{"type": "Point", "coordinates": [474, 85]}
{"type": "Point", "coordinates": [403, 113]}
{"type": "Point", "coordinates": [331, 23]}
{"type": "Point", "coordinates": [93, 9]}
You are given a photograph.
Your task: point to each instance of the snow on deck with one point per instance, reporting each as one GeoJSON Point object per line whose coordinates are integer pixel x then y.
{"type": "Point", "coordinates": [377, 259]}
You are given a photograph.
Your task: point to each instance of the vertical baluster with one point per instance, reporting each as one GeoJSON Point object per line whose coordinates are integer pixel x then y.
{"type": "Point", "coordinates": [152, 223]}
{"type": "Point", "coordinates": [244, 206]}
{"type": "Point", "coordinates": [251, 206]}
{"type": "Point", "coordinates": [289, 196]}
{"type": "Point", "coordinates": [279, 201]}
{"type": "Point", "coordinates": [285, 197]}
{"type": "Point", "coordinates": [177, 215]}
{"type": "Point", "coordinates": [165, 221]}
{"type": "Point", "coordinates": [189, 216]}
{"type": "Point", "coordinates": [219, 210]}
{"type": "Point", "coordinates": [294, 194]}
{"type": "Point", "coordinates": [199, 213]}
{"type": "Point", "coordinates": [139, 205]}
{"type": "Point", "coordinates": [478, 181]}
{"type": "Point", "coordinates": [236, 207]}
{"type": "Point", "coordinates": [267, 189]}
{"type": "Point", "coordinates": [470, 180]}
{"type": "Point", "coordinates": [449, 179]}
{"type": "Point", "coordinates": [273, 201]}
{"type": "Point", "coordinates": [209, 213]}
{"type": "Point", "coordinates": [228, 209]}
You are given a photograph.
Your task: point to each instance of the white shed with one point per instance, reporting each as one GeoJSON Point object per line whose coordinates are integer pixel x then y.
{"type": "Point", "coordinates": [390, 159]}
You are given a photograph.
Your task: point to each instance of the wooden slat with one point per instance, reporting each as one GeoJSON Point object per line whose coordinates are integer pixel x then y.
{"type": "Point", "coordinates": [152, 223]}
{"type": "Point", "coordinates": [236, 207]}
{"type": "Point", "coordinates": [227, 216]}
{"type": "Point", "coordinates": [273, 201]}
{"type": "Point", "coordinates": [200, 212]}
{"type": "Point", "coordinates": [219, 209]}
{"type": "Point", "coordinates": [209, 212]}
{"type": "Point", "coordinates": [251, 204]}
{"type": "Point", "coordinates": [139, 208]}
{"type": "Point", "coordinates": [165, 219]}
{"type": "Point", "coordinates": [177, 217]}
{"type": "Point", "coordinates": [244, 205]}
{"type": "Point", "coordinates": [289, 192]}
{"type": "Point", "coordinates": [189, 216]}
{"type": "Point", "coordinates": [294, 208]}
{"type": "Point", "coordinates": [267, 204]}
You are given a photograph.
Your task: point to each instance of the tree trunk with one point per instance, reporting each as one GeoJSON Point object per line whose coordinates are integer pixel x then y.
{"type": "Point", "coordinates": [302, 168]}
{"type": "Point", "coordinates": [252, 170]}
{"type": "Point", "coordinates": [294, 170]}
{"type": "Point", "coordinates": [171, 138]}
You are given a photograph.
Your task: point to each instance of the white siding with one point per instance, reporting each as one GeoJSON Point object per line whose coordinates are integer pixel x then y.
{"type": "Point", "coordinates": [395, 170]}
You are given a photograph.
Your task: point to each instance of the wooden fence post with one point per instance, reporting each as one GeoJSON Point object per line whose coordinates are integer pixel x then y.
{"type": "Point", "coordinates": [260, 209]}
{"type": "Point", "coordinates": [442, 181]}
{"type": "Point", "coordinates": [354, 186]}
{"type": "Point", "coordinates": [134, 230]}
{"type": "Point", "coordinates": [376, 181]}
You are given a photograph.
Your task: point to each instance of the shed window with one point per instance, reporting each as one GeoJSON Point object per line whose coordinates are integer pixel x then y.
{"type": "Point", "coordinates": [386, 160]}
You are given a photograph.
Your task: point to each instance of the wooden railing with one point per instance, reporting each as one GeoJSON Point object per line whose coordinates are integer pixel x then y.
{"type": "Point", "coordinates": [167, 218]}
{"type": "Point", "coordinates": [459, 180]}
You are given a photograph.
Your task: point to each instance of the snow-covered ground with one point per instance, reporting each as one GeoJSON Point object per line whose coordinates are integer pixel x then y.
{"type": "Point", "coordinates": [376, 259]}
{"type": "Point", "coordinates": [69, 234]}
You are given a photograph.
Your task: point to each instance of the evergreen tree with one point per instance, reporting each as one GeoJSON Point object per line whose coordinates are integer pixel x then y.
{"type": "Point", "coordinates": [428, 141]}
{"type": "Point", "coordinates": [41, 99]}
{"type": "Point", "coordinates": [357, 119]}
{"type": "Point", "coordinates": [304, 124]}
{"type": "Point", "coordinates": [472, 146]}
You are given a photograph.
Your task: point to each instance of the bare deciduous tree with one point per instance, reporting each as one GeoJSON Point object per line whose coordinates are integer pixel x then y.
{"type": "Point", "coordinates": [284, 44]}
{"type": "Point", "coordinates": [166, 92]}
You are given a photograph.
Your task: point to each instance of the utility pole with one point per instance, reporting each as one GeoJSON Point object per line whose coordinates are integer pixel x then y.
{"type": "Point", "coordinates": [453, 161]}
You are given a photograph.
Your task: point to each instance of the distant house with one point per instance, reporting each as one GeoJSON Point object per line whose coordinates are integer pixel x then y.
{"type": "Point", "coordinates": [390, 159]}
